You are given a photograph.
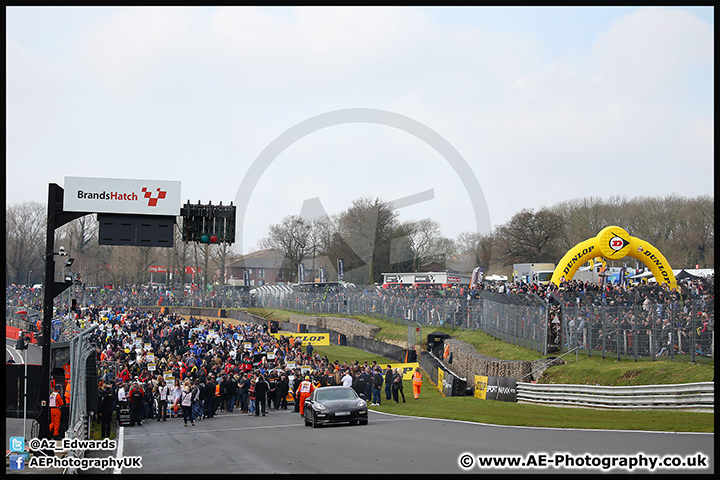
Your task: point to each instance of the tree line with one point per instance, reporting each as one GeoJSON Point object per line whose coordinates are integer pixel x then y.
{"type": "Point", "coordinates": [372, 239]}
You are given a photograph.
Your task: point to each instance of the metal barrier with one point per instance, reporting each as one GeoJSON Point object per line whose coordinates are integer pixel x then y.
{"type": "Point", "coordinates": [521, 323]}
{"type": "Point", "coordinates": [637, 331]}
{"type": "Point", "coordinates": [80, 420]}
{"type": "Point", "coordinates": [696, 397]}
{"type": "Point", "coordinates": [528, 321]}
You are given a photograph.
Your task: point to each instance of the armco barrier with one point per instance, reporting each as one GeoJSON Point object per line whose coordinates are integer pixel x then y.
{"type": "Point", "coordinates": [430, 364]}
{"type": "Point", "coordinates": [696, 397]}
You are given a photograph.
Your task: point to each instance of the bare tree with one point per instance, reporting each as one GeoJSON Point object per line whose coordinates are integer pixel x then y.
{"type": "Point", "coordinates": [25, 228]}
{"type": "Point", "coordinates": [440, 251]}
{"type": "Point", "coordinates": [79, 234]}
{"type": "Point", "coordinates": [364, 238]}
{"type": "Point", "coordinates": [423, 233]}
{"type": "Point", "coordinates": [323, 230]}
{"type": "Point", "coordinates": [697, 232]}
{"type": "Point", "coordinates": [682, 228]}
{"type": "Point", "coordinates": [221, 256]}
{"type": "Point", "coordinates": [583, 219]}
{"type": "Point", "coordinates": [292, 238]}
{"type": "Point", "coordinates": [99, 270]}
{"type": "Point", "coordinates": [178, 258]}
{"type": "Point", "coordinates": [479, 246]}
{"type": "Point", "coordinates": [531, 237]}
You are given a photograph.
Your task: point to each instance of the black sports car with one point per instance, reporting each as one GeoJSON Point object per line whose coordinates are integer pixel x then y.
{"type": "Point", "coordinates": [333, 405]}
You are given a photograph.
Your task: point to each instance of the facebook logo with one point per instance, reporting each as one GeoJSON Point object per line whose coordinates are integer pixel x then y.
{"type": "Point", "coordinates": [17, 462]}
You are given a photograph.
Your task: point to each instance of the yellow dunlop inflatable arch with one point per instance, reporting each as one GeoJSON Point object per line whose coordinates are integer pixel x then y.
{"type": "Point", "coordinates": [614, 243]}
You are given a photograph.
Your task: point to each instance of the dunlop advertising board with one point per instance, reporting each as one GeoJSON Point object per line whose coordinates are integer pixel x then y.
{"type": "Point", "coordinates": [321, 339]}
{"type": "Point", "coordinates": [407, 369]}
{"type": "Point", "coordinates": [481, 386]}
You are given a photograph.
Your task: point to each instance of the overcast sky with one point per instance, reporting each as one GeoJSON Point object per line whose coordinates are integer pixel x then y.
{"type": "Point", "coordinates": [543, 104]}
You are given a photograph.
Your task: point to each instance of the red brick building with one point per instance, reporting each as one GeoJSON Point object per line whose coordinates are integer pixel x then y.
{"type": "Point", "coordinates": [269, 267]}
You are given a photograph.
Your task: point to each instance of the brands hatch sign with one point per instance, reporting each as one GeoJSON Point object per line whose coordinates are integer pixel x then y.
{"type": "Point", "coordinates": [115, 195]}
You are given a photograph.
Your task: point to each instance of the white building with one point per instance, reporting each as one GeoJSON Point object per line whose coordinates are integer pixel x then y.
{"type": "Point", "coordinates": [438, 279]}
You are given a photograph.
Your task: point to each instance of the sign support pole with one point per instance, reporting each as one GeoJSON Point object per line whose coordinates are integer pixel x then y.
{"type": "Point", "coordinates": [56, 218]}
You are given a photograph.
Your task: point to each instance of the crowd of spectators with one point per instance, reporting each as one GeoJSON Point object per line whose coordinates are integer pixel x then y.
{"type": "Point", "coordinates": [17, 296]}
{"type": "Point", "coordinates": [191, 295]}
{"type": "Point", "coordinates": [23, 296]}
{"type": "Point", "coordinates": [218, 366]}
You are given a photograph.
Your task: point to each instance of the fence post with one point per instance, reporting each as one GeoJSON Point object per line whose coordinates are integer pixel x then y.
{"type": "Point", "coordinates": [603, 323]}
{"type": "Point", "coordinates": [635, 337]}
{"type": "Point", "coordinates": [618, 333]}
{"type": "Point", "coordinates": [672, 332]}
{"type": "Point", "coordinates": [545, 333]}
{"type": "Point", "coordinates": [693, 330]}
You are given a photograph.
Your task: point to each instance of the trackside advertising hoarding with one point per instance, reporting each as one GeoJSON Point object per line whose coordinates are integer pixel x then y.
{"type": "Point", "coordinates": [117, 195]}
{"type": "Point", "coordinates": [496, 388]}
{"type": "Point", "coordinates": [321, 339]}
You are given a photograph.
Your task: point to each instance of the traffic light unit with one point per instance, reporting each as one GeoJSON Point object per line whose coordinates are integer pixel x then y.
{"type": "Point", "coordinates": [22, 341]}
{"type": "Point", "coordinates": [209, 224]}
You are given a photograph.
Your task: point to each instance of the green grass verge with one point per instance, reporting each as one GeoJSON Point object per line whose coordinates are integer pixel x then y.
{"type": "Point", "coordinates": [608, 371]}
{"type": "Point", "coordinates": [434, 405]}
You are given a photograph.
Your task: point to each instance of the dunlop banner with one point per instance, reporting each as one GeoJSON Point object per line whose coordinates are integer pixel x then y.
{"type": "Point", "coordinates": [441, 380]}
{"type": "Point", "coordinates": [496, 388]}
{"type": "Point", "coordinates": [321, 339]}
{"type": "Point", "coordinates": [407, 369]}
{"type": "Point", "coordinates": [481, 383]}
